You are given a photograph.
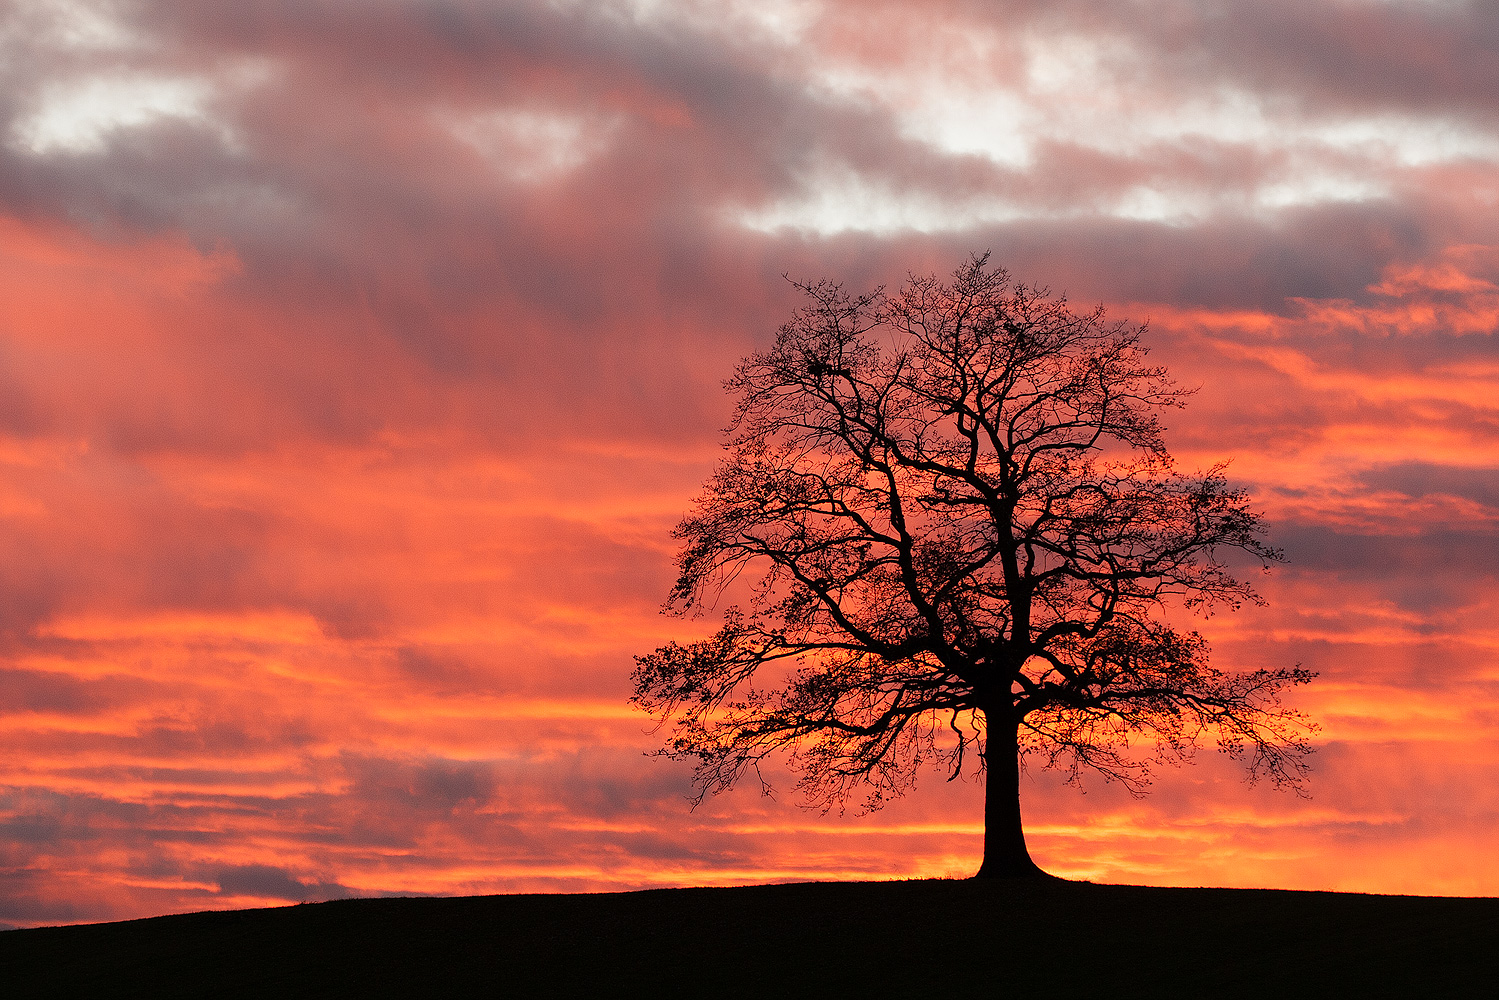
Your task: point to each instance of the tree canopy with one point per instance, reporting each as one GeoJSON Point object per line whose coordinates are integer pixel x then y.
{"type": "Point", "coordinates": [965, 542]}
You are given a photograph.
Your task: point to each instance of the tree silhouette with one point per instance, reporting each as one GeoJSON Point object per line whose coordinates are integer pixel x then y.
{"type": "Point", "coordinates": [965, 536]}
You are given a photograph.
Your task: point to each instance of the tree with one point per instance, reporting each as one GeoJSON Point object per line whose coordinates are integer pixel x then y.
{"type": "Point", "coordinates": [966, 541]}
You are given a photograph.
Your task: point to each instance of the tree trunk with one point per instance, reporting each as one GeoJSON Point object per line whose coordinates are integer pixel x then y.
{"type": "Point", "coordinates": [1005, 855]}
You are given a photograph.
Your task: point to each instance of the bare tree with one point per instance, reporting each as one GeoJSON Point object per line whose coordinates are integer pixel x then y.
{"type": "Point", "coordinates": [965, 536]}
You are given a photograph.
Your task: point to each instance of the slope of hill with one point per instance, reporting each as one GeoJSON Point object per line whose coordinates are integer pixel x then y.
{"type": "Point", "coordinates": [1050, 938]}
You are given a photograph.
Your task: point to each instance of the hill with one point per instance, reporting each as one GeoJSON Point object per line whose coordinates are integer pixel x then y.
{"type": "Point", "coordinates": [1051, 938]}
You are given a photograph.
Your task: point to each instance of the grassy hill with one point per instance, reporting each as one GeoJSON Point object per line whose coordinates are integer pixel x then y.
{"type": "Point", "coordinates": [1054, 938]}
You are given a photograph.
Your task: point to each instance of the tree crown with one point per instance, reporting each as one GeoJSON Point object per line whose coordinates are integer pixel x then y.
{"type": "Point", "coordinates": [959, 515]}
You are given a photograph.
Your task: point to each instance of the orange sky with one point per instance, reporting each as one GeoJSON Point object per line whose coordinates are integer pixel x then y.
{"type": "Point", "coordinates": [357, 360]}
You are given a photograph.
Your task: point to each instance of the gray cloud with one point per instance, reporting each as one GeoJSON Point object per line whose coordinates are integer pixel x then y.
{"type": "Point", "coordinates": [276, 883]}
{"type": "Point", "coordinates": [1424, 479]}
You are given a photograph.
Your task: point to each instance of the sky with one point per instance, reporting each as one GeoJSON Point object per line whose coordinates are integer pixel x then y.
{"type": "Point", "coordinates": [357, 359]}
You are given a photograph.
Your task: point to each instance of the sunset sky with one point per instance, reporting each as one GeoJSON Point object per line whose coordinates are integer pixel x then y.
{"type": "Point", "coordinates": [357, 358]}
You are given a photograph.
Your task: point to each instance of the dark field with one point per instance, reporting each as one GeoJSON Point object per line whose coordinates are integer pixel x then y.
{"type": "Point", "coordinates": [1053, 938]}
